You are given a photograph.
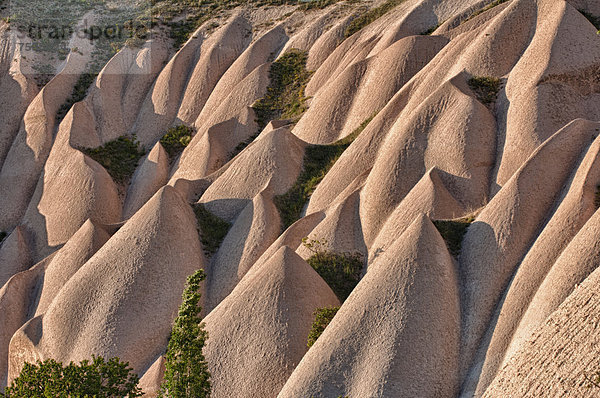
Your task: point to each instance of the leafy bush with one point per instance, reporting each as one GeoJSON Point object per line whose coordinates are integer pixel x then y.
{"type": "Point", "coordinates": [176, 139]}
{"type": "Point", "coordinates": [371, 16]}
{"type": "Point", "coordinates": [318, 160]}
{"type": "Point", "coordinates": [212, 229]}
{"type": "Point", "coordinates": [453, 232]}
{"type": "Point", "coordinates": [323, 317]}
{"type": "Point", "coordinates": [88, 379]}
{"type": "Point", "coordinates": [285, 94]}
{"type": "Point", "coordinates": [341, 271]}
{"type": "Point", "coordinates": [186, 370]}
{"type": "Point", "coordinates": [119, 157]}
{"type": "Point", "coordinates": [486, 88]}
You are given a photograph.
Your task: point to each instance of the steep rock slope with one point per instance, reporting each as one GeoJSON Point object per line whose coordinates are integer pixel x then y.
{"type": "Point", "coordinates": [479, 117]}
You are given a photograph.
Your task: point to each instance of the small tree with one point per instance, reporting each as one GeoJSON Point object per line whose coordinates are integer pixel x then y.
{"type": "Point", "coordinates": [98, 378]}
{"type": "Point", "coordinates": [186, 370]}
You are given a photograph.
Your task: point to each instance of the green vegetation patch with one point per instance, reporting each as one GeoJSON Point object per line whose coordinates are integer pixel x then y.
{"type": "Point", "coordinates": [453, 232]}
{"type": "Point", "coordinates": [119, 157]}
{"type": "Point", "coordinates": [592, 18]}
{"type": "Point", "coordinates": [186, 369]}
{"type": "Point", "coordinates": [318, 160]}
{"type": "Point", "coordinates": [212, 229]}
{"type": "Point", "coordinates": [486, 88]}
{"type": "Point", "coordinates": [486, 8]}
{"type": "Point", "coordinates": [371, 16]}
{"type": "Point", "coordinates": [285, 95]}
{"type": "Point", "coordinates": [323, 317]}
{"type": "Point", "coordinates": [176, 139]}
{"type": "Point", "coordinates": [78, 94]}
{"type": "Point", "coordinates": [98, 378]}
{"type": "Point", "coordinates": [341, 271]}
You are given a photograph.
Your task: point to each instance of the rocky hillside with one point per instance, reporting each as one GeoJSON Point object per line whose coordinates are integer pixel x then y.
{"type": "Point", "coordinates": [431, 167]}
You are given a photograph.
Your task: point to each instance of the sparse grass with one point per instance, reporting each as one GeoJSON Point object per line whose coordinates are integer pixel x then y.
{"type": "Point", "coordinates": [453, 232]}
{"type": "Point", "coordinates": [484, 9]}
{"type": "Point", "coordinates": [78, 94]}
{"type": "Point", "coordinates": [323, 317]}
{"type": "Point", "coordinates": [318, 160]}
{"type": "Point", "coordinates": [119, 157]}
{"type": "Point", "coordinates": [285, 94]}
{"type": "Point", "coordinates": [341, 271]}
{"type": "Point", "coordinates": [316, 4]}
{"type": "Point", "coordinates": [592, 18]}
{"type": "Point", "coordinates": [486, 88]}
{"type": "Point", "coordinates": [183, 17]}
{"type": "Point", "coordinates": [371, 16]}
{"type": "Point", "coordinates": [2, 236]}
{"type": "Point", "coordinates": [176, 139]}
{"type": "Point", "coordinates": [212, 229]}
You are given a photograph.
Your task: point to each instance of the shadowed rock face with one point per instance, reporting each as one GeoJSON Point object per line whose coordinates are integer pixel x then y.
{"type": "Point", "coordinates": [491, 122]}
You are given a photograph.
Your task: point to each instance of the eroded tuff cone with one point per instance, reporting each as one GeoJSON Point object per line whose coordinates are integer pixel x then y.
{"type": "Point", "coordinates": [15, 301]}
{"type": "Point", "coordinates": [563, 350]}
{"type": "Point", "coordinates": [133, 281]}
{"type": "Point", "coordinates": [150, 176]}
{"type": "Point", "coordinates": [365, 88]}
{"type": "Point", "coordinates": [246, 176]}
{"type": "Point", "coordinates": [510, 326]}
{"type": "Point", "coordinates": [370, 350]}
{"type": "Point", "coordinates": [456, 137]}
{"type": "Point", "coordinates": [14, 255]}
{"type": "Point", "coordinates": [70, 177]}
{"type": "Point", "coordinates": [255, 229]}
{"type": "Point", "coordinates": [258, 333]}
{"type": "Point", "coordinates": [504, 230]}
{"type": "Point", "coordinates": [478, 108]}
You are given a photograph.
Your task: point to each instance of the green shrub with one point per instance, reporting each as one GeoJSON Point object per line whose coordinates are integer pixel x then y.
{"type": "Point", "coordinates": [453, 232]}
{"type": "Point", "coordinates": [592, 18]}
{"type": "Point", "coordinates": [318, 160]}
{"type": "Point", "coordinates": [119, 157]}
{"type": "Point", "coordinates": [371, 16]}
{"type": "Point", "coordinates": [176, 139]}
{"type": "Point", "coordinates": [186, 369]}
{"type": "Point", "coordinates": [88, 379]}
{"type": "Point", "coordinates": [285, 98]}
{"type": "Point", "coordinates": [78, 94]}
{"type": "Point", "coordinates": [341, 271]}
{"type": "Point", "coordinates": [212, 229]}
{"type": "Point", "coordinates": [486, 88]}
{"type": "Point", "coordinates": [323, 317]}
